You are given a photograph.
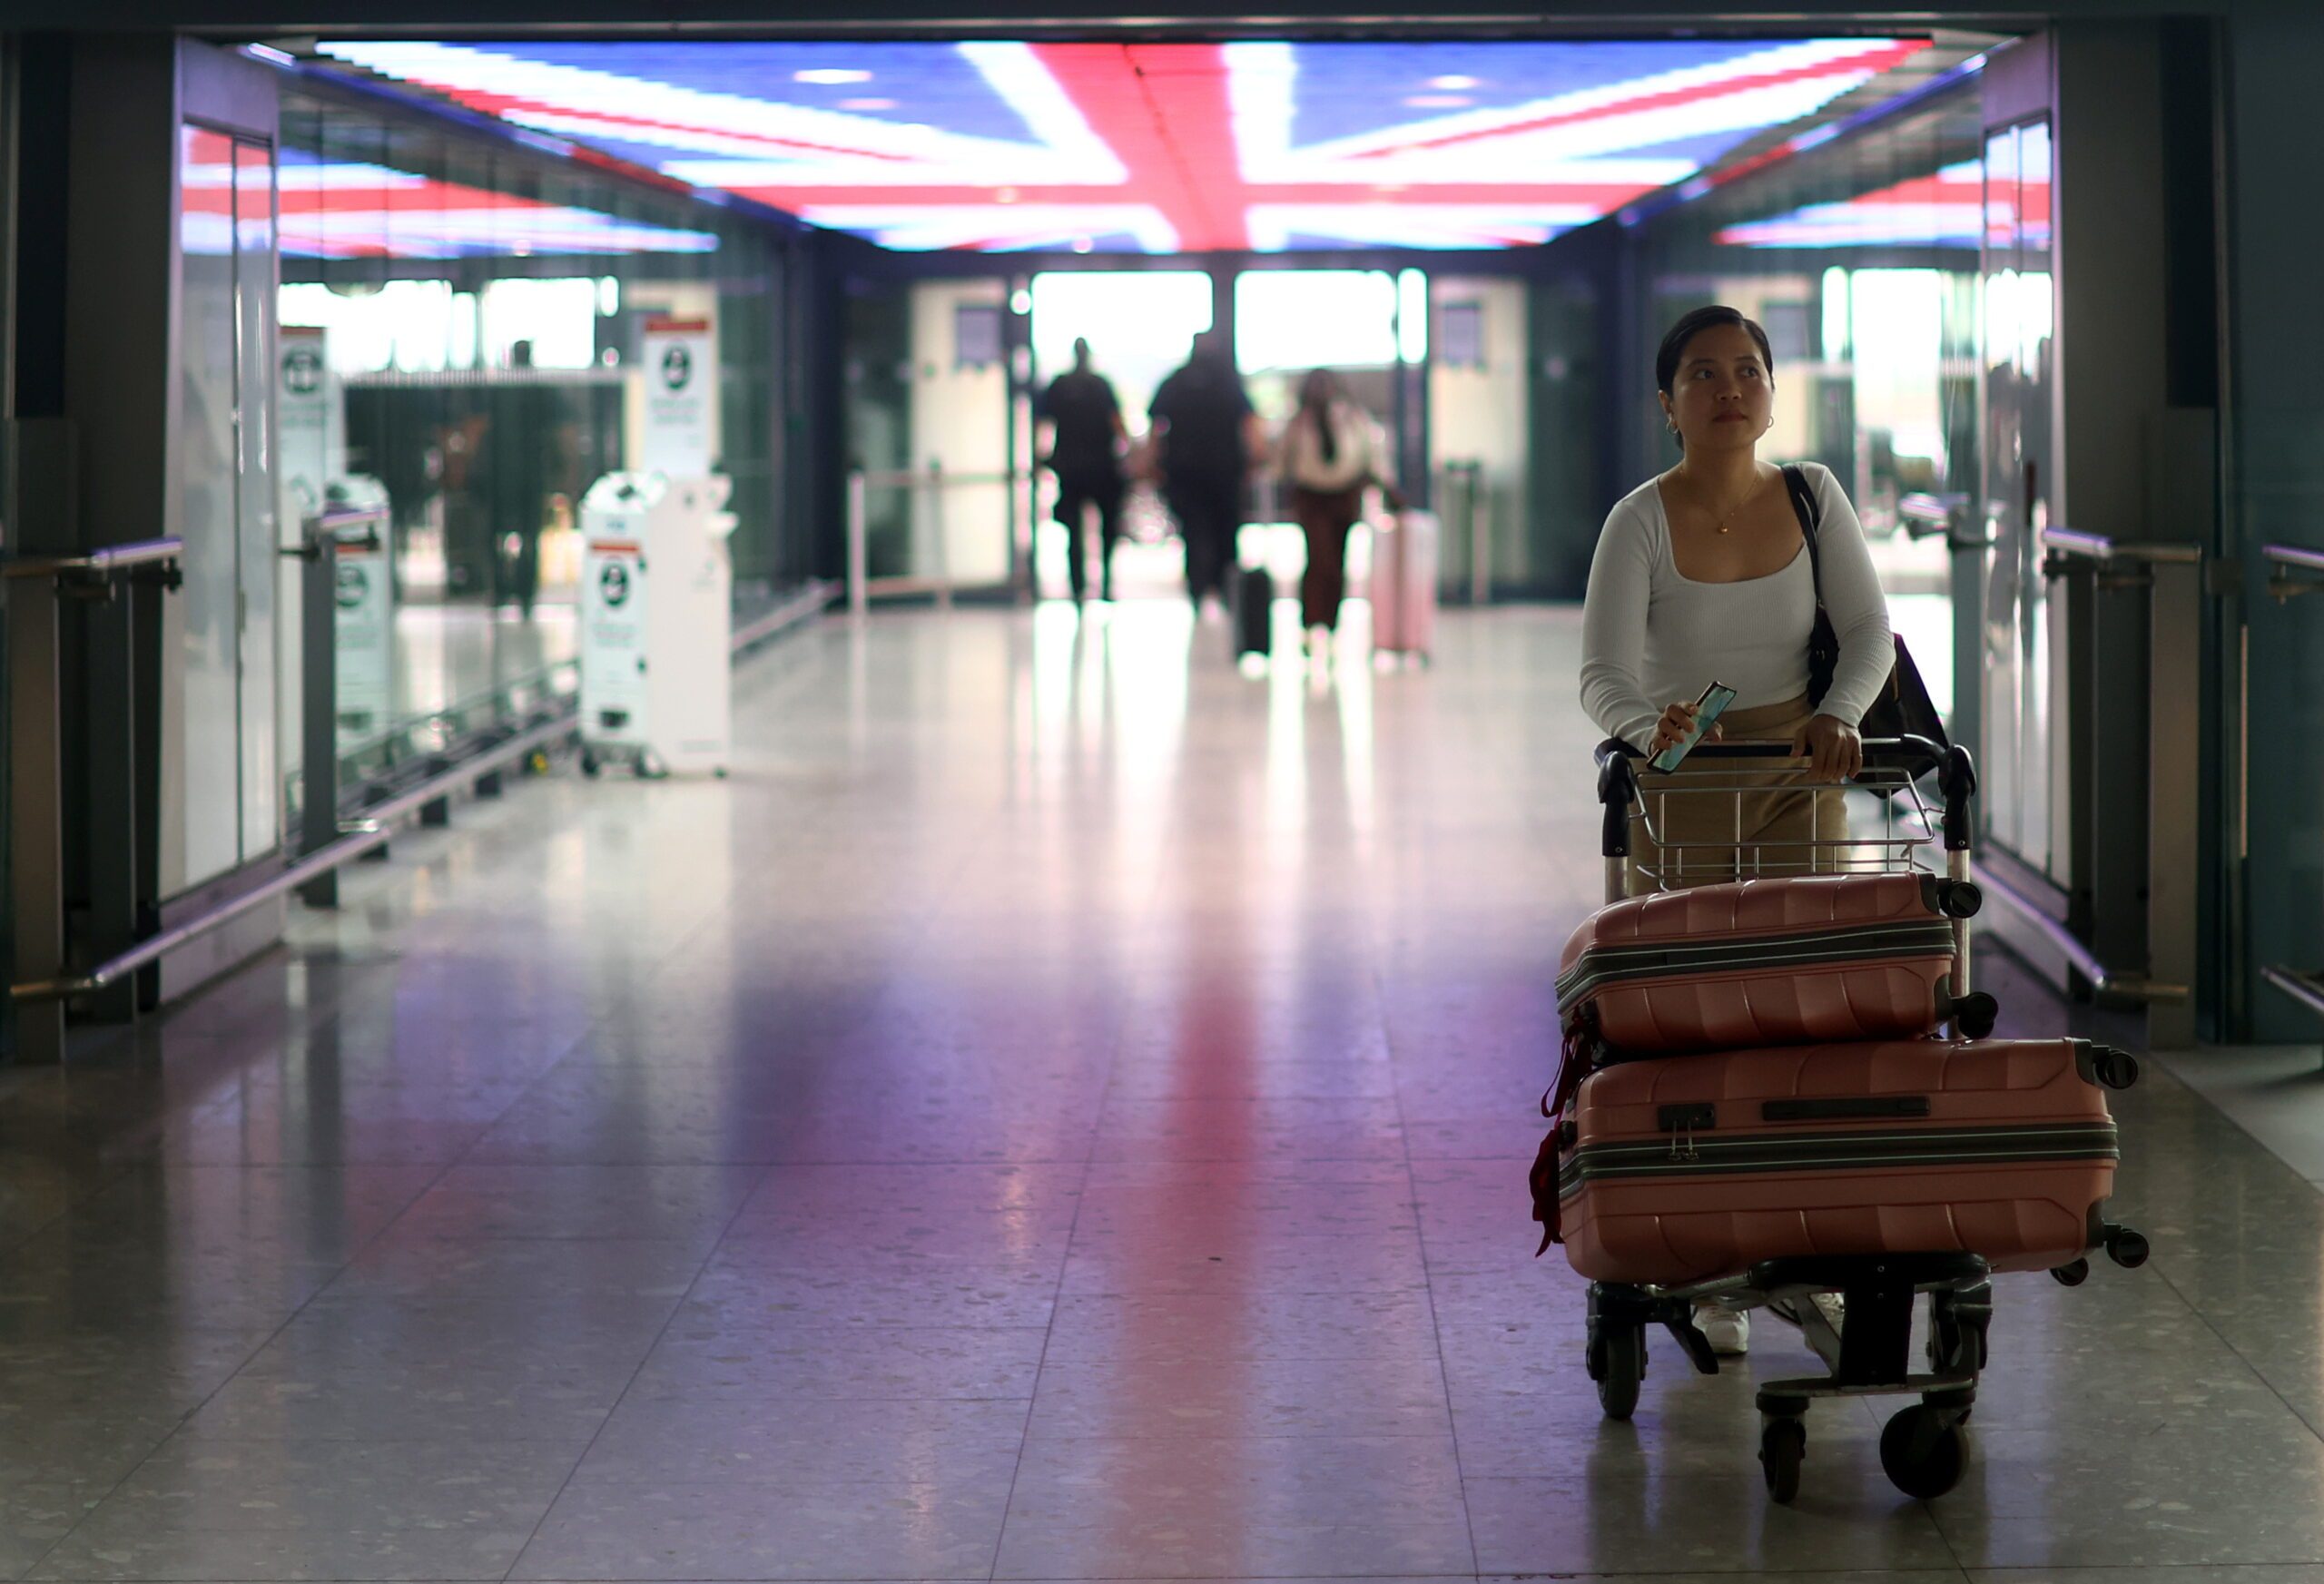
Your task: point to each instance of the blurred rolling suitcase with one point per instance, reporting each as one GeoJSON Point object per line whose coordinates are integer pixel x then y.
{"type": "Point", "coordinates": [1253, 610]}
{"type": "Point", "coordinates": [1403, 582]}
{"type": "Point", "coordinates": [1697, 1168]}
{"type": "Point", "coordinates": [1800, 959]}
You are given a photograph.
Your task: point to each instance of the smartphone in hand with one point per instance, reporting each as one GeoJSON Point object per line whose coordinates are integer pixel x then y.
{"type": "Point", "coordinates": [1707, 709]}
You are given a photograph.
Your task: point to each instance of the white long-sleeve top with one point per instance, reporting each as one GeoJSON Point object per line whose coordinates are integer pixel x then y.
{"type": "Point", "coordinates": [1358, 454]}
{"type": "Point", "coordinates": [1651, 636]}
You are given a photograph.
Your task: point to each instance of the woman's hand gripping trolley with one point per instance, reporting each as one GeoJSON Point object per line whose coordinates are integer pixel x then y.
{"type": "Point", "coordinates": [1758, 1108]}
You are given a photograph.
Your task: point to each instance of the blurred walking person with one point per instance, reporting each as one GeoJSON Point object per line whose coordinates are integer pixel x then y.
{"type": "Point", "coordinates": [1086, 443]}
{"type": "Point", "coordinates": [1203, 438]}
{"type": "Point", "coordinates": [1332, 453]}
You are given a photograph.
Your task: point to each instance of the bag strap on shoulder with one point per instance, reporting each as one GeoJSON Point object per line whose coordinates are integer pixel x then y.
{"type": "Point", "coordinates": [1810, 512]}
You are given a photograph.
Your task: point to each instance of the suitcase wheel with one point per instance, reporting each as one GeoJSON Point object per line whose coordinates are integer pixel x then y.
{"type": "Point", "coordinates": [1783, 1446]}
{"type": "Point", "coordinates": [2072, 1273]}
{"type": "Point", "coordinates": [1975, 1014]}
{"type": "Point", "coordinates": [1617, 1364]}
{"type": "Point", "coordinates": [2126, 1248]}
{"type": "Point", "coordinates": [1924, 1451]}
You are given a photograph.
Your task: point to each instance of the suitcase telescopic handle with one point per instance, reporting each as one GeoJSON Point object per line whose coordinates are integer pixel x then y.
{"type": "Point", "coordinates": [1957, 779]}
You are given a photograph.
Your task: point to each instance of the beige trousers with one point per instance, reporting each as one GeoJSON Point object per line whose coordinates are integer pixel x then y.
{"type": "Point", "coordinates": [1684, 838]}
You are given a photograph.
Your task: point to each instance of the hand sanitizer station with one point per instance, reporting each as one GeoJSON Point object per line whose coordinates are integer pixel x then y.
{"type": "Point", "coordinates": [656, 611]}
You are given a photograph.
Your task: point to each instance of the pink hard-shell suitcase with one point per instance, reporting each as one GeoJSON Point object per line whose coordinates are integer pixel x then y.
{"type": "Point", "coordinates": [1689, 1169]}
{"type": "Point", "coordinates": [1405, 551]}
{"type": "Point", "coordinates": [1799, 960]}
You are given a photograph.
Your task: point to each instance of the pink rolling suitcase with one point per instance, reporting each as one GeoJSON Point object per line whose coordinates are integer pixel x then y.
{"type": "Point", "coordinates": [1403, 582]}
{"type": "Point", "coordinates": [1799, 960]}
{"type": "Point", "coordinates": [1691, 1168]}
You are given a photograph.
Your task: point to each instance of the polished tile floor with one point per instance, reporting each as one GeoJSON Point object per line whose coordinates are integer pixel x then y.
{"type": "Point", "coordinates": [1059, 1111]}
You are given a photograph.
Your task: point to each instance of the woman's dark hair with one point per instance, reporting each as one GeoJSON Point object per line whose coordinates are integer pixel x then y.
{"type": "Point", "coordinates": [1674, 344]}
{"type": "Point", "coordinates": [1315, 394]}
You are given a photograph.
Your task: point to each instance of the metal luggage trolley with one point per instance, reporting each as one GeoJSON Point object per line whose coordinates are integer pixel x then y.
{"type": "Point", "coordinates": [1924, 1448]}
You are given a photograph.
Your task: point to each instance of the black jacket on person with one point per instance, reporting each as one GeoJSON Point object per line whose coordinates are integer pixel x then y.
{"type": "Point", "coordinates": [1082, 404]}
{"type": "Point", "coordinates": [1202, 407]}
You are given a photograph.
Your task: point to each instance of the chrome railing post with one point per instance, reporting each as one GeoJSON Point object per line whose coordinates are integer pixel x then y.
{"type": "Point", "coordinates": [36, 762]}
{"type": "Point", "coordinates": [2172, 575]}
{"type": "Point", "coordinates": [940, 552]}
{"type": "Point", "coordinates": [2294, 570]}
{"type": "Point", "coordinates": [2174, 796]}
{"type": "Point", "coordinates": [36, 815]}
{"type": "Point", "coordinates": [1480, 535]}
{"type": "Point", "coordinates": [858, 531]}
{"type": "Point", "coordinates": [319, 706]}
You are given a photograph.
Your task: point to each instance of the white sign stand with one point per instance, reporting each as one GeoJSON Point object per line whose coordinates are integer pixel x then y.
{"type": "Point", "coordinates": [657, 615]}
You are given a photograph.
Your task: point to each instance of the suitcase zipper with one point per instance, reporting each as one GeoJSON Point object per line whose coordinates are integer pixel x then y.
{"type": "Point", "coordinates": [1858, 1151]}
{"type": "Point", "coordinates": [1601, 966]}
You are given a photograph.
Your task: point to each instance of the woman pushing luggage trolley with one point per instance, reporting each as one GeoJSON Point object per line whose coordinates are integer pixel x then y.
{"type": "Point", "coordinates": [1778, 1093]}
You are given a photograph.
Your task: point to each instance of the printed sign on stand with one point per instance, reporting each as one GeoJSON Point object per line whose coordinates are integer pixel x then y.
{"type": "Point", "coordinates": [613, 627]}
{"type": "Point", "coordinates": [681, 357]}
{"type": "Point", "coordinates": [313, 425]}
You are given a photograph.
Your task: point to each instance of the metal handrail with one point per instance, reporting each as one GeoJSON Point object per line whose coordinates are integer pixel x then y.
{"type": "Point", "coordinates": [375, 830]}
{"type": "Point", "coordinates": [935, 478]}
{"type": "Point", "coordinates": [455, 714]}
{"type": "Point", "coordinates": [2288, 557]}
{"type": "Point", "coordinates": [107, 562]}
{"type": "Point", "coordinates": [1932, 517]}
{"type": "Point", "coordinates": [2063, 942]}
{"type": "Point", "coordinates": [2101, 547]}
{"type": "Point", "coordinates": [940, 582]}
{"type": "Point", "coordinates": [2306, 988]}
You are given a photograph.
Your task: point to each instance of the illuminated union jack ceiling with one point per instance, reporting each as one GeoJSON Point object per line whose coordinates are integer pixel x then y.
{"type": "Point", "coordinates": [1160, 148]}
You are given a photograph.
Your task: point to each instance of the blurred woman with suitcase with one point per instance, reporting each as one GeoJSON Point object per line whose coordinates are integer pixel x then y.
{"type": "Point", "coordinates": [1332, 452]}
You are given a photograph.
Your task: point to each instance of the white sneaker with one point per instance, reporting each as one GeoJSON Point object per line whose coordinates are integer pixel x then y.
{"type": "Point", "coordinates": [1834, 1308]}
{"type": "Point", "coordinates": [1729, 1330]}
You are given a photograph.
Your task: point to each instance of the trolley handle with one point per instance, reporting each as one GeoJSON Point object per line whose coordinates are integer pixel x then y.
{"type": "Point", "coordinates": [1957, 779]}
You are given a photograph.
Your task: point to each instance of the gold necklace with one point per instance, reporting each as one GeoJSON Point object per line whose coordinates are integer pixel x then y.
{"type": "Point", "coordinates": [1719, 525]}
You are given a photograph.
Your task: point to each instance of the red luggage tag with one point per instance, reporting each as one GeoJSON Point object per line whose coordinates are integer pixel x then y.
{"type": "Point", "coordinates": [1572, 1067]}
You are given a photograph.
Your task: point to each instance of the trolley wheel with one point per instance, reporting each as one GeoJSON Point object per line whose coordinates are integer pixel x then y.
{"type": "Point", "coordinates": [590, 765]}
{"type": "Point", "coordinates": [2072, 1273]}
{"type": "Point", "coordinates": [1622, 1365]}
{"type": "Point", "coordinates": [1923, 1454]}
{"type": "Point", "coordinates": [1783, 1446]}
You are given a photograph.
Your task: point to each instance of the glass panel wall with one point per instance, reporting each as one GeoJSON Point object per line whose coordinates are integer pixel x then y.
{"type": "Point", "coordinates": [1860, 258]}
{"type": "Point", "coordinates": [465, 327]}
{"type": "Point", "coordinates": [2024, 769]}
{"type": "Point", "coordinates": [232, 790]}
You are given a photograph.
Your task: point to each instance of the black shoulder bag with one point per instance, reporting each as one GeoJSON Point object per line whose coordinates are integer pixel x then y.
{"type": "Point", "coordinates": [1902, 707]}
